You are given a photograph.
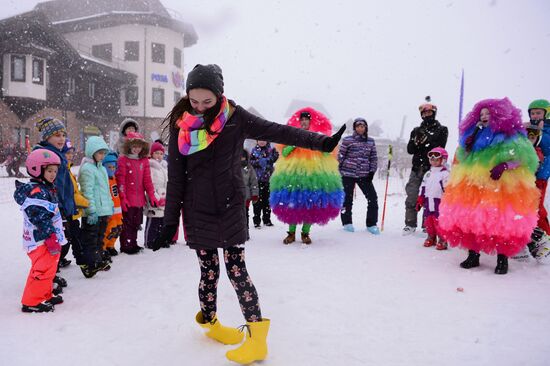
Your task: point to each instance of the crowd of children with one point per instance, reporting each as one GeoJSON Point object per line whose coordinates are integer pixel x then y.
{"type": "Point", "coordinates": [87, 213]}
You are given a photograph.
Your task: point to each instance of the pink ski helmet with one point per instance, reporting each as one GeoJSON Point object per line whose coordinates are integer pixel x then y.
{"type": "Point", "coordinates": [438, 151]}
{"type": "Point", "coordinates": [39, 159]}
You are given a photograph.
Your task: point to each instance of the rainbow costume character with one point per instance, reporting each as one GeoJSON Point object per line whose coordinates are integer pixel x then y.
{"type": "Point", "coordinates": [490, 203]}
{"type": "Point", "coordinates": [306, 187]}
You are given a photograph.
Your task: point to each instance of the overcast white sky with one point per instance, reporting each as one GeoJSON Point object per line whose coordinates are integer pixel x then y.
{"type": "Point", "coordinates": [376, 59]}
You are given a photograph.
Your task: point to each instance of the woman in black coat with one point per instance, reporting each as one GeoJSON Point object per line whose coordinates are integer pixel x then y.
{"type": "Point", "coordinates": [207, 132]}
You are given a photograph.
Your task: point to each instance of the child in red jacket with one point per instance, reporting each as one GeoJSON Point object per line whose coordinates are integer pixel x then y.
{"type": "Point", "coordinates": [134, 179]}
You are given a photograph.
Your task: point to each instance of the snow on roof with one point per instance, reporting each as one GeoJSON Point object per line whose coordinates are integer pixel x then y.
{"type": "Point", "coordinates": [102, 14]}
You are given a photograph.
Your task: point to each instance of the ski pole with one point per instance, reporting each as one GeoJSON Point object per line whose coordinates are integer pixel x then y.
{"type": "Point", "coordinates": [390, 155]}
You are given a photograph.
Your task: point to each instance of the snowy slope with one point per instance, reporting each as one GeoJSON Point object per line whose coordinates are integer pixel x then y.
{"type": "Point", "coordinates": [349, 299]}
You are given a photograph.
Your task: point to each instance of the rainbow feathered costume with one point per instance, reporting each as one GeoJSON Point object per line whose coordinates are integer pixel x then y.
{"type": "Point", "coordinates": [306, 186]}
{"type": "Point", "coordinates": [482, 214]}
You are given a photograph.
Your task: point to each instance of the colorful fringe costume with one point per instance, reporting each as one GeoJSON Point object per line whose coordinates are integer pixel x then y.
{"type": "Point", "coordinates": [306, 186]}
{"type": "Point", "coordinates": [482, 214]}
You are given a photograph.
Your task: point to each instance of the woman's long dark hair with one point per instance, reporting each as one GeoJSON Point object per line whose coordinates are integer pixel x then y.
{"type": "Point", "coordinates": [184, 105]}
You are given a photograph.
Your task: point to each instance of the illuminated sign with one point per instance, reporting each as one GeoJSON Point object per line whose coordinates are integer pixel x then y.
{"type": "Point", "coordinates": [159, 77]}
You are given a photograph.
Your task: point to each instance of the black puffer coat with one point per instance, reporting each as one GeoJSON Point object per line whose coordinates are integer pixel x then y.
{"type": "Point", "coordinates": [428, 135]}
{"type": "Point", "coordinates": [209, 184]}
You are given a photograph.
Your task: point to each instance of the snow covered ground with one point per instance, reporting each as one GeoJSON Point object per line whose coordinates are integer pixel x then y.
{"type": "Point", "coordinates": [349, 299]}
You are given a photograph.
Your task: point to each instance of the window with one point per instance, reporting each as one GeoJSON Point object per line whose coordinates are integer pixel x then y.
{"type": "Point", "coordinates": [71, 85]}
{"type": "Point", "coordinates": [177, 97]}
{"type": "Point", "coordinates": [131, 95]}
{"type": "Point", "coordinates": [157, 52]}
{"type": "Point", "coordinates": [131, 51]}
{"type": "Point", "coordinates": [177, 57]}
{"type": "Point", "coordinates": [38, 71]}
{"type": "Point", "coordinates": [18, 66]}
{"type": "Point", "coordinates": [91, 89]}
{"type": "Point", "coordinates": [158, 97]}
{"type": "Point", "coordinates": [103, 51]}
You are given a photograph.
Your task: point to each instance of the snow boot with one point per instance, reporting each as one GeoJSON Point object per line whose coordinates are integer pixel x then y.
{"type": "Point", "coordinates": [306, 239]}
{"type": "Point", "coordinates": [257, 226]}
{"type": "Point", "coordinates": [112, 252]}
{"type": "Point", "coordinates": [408, 230]}
{"type": "Point", "coordinates": [441, 245]}
{"type": "Point", "coordinates": [254, 347]}
{"type": "Point", "coordinates": [55, 300]}
{"type": "Point", "coordinates": [374, 230]}
{"type": "Point", "coordinates": [268, 223]}
{"type": "Point", "coordinates": [502, 264]}
{"type": "Point", "coordinates": [218, 332]}
{"type": "Point", "coordinates": [472, 260]}
{"type": "Point", "coordinates": [88, 271]}
{"type": "Point", "coordinates": [43, 307]}
{"type": "Point", "coordinates": [290, 238]}
{"type": "Point", "coordinates": [56, 289]}
{"type": "Point", "coordinates": [349, 227]}
{"type": "Point", "coordinates": [430, 242]}
{"type": "Point", "coordinates": [64, 262]}
{"type": "Point", "coordinates": [60, 281]}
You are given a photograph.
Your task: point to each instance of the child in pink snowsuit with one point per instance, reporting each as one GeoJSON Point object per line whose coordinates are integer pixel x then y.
{"type": "Point", "coordinates": [134, 179]}
{"type": "Point", "coordinates": [431, 191]}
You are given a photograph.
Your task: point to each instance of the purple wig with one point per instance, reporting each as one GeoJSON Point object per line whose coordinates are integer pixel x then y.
{"type": "Point", "coordinates": [505, 118]}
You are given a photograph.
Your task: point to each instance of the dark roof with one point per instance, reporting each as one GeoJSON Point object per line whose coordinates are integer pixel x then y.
{"type": "Point", "coordinates": [78, 15]}
{"type": "Point", "coordinates": [32, 33]}
{"type": "Point", "coordinates": [58, 10]}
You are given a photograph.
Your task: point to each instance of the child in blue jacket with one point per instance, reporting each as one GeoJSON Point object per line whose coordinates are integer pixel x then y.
{"type": "Point", "coordinates": [94, 184]}
{"type": "Point", "coordinates": [42, 230]}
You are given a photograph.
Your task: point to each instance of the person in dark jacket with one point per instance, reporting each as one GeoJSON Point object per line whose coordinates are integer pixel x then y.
{"type": "Point", "coordinates": [430, 134]}
{"type": "Point", "coordinates": [357, 162]}
{"type": "Point", "coordinates": [207, 132]}
{"type": "Point", "coordinates": [263, 158]}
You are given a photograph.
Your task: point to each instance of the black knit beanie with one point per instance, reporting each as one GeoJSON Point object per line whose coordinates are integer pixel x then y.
{"type": "Point", "coordinates": [205, 77]}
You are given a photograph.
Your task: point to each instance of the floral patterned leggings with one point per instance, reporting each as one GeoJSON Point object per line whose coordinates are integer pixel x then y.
{"type": "Point", "coordinates": [236, 271]}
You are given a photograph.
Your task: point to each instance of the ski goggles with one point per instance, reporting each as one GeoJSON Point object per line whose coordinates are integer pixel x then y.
{"type": "Point", "coordinates": [434, 155]}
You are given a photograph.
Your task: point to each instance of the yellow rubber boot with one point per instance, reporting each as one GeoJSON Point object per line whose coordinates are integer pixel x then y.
{"type": "Point", "coordinates": [255, 346]}
{"type": "Point", "coordinates": [218, 332]}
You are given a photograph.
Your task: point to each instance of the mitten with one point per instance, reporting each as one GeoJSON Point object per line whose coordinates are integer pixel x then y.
{"type": "Point", "coordinates": [497, 171]}
{"type": "Point", "coordinates": [92, 219]}
{"type": "Point", "coordinates": [162, 202]}
{"type": "Point", "coordinates": [154, 202]}
{"type": "Point", "coordinates": [419, 203]}
{"type": "Point", "coordinates": [370, 176]}
{"type": "Point", "coordinates": [254, 199]}
{"type": "Point", "coordinates": [53, 246]}
{"type": "Point", "coordinates": [330, 143]}
{"type": "Point", "coordinates": [164, 237]}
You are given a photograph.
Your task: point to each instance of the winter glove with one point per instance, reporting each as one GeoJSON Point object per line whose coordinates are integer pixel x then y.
{"type": "Point", "coordinates": [370, 176]}
{"type": "Point", "coordinates": [330, 143]}
{"type": "Point", "coordinates": [123, 205]}
{"type": "Point", "coordinates": [165, 236]}
{"type": "Point", "coordinates": [162, 202]}
{"type": "Point", "coordinates": [497, 171]}
{"type": "Point", "coordinates": [254, 199]}
{"type": "Point", "coordinates": [92, 219]}
{"type": "Point", "coordinates": [154, 202]}
{"type": "Point", "coordinates": [53, 246]}
{"type": "Point", "coordinates": [419, 203]}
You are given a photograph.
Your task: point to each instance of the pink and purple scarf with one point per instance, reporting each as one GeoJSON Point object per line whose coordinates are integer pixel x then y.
{"type": "Point", "coordinates": [193, 137]}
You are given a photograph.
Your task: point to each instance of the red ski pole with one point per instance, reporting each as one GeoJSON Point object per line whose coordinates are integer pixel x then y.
{"type": "Point", "coordinates": [390, 155]}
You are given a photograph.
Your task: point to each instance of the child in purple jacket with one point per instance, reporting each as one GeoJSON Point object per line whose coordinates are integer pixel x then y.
{"type": "Point", "coordinates": [358, 162]}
